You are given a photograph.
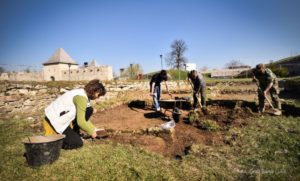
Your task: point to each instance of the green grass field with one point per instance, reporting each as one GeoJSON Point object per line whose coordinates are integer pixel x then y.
{"type": "Point", "coordinates": [267, 148]}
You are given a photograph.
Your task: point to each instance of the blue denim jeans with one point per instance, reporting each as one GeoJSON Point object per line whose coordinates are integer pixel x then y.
{"type": "Point", "coordinates": [156, 97]}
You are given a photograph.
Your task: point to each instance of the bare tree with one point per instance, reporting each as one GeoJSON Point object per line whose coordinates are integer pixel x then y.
{"type": "Point", "coordinates": [2, 70]}
{"type": "Point", "coordinates": [176, 57]}
{"type": "Point", "coordinates": [133, 70]}
{"type": "Point", "coordinates": [27, 70]}
{"type": "Point", "coordinates": [234, 64]}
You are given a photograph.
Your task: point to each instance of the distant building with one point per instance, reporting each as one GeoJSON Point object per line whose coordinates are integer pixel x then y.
{"type": "Point", "coordinates": [291, 63]}
{"type": "Point", "coordinates": [93, 63]}
{"type": "Point", "coordinates": [190, 66]}
{"type": "Point", "coordinates": [61, 66]}
{"type": "Point", "coordinates": [222, 73]}
{"type": "Point", "coordinates": [240, 67]}
{"type": "Point", "coordinates": [56, 64]}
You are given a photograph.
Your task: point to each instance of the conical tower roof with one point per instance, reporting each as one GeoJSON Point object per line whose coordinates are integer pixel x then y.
{"type": "Point", "coordinates": [93, 63]}
{"type": "Point", "coordinates": [60, 56]}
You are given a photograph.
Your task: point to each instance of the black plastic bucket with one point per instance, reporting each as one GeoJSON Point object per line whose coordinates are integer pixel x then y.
{"type": "Point", "coordinates": [176, 116]}
{"type": "Point", "coordinates": [42, 150]}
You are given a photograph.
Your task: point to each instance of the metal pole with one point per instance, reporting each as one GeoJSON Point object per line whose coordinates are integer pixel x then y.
{"type": "Point", "coordinates": [161, 64]}
{"type": "Point", "coordinates": [131, 71]}
{"type": "Point", "coordinates": [121, 72]}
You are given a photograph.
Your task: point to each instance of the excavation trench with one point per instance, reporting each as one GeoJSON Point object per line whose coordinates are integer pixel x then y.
{"type": "Point", "coordinates": [138, 125]}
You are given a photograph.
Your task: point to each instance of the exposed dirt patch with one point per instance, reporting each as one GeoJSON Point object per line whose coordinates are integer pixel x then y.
{"type": "Point", "coordinates": [127, 124]}
{"type": "Point", "coordinates": [126, 118]}
{"type": "Point", "coordinates": [226, 113]}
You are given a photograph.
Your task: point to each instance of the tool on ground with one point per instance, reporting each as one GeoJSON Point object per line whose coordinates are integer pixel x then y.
{"type": "Point", "coordinates": [176, 113]}
{"type": "Point", "coordinates": [101, 134]}
{"type": "Point", "coordinates": [168, 125]}
{"type": "Point", "coordinates": [171, 106]}
{"type": "Point", "coordinates": [275, 111]}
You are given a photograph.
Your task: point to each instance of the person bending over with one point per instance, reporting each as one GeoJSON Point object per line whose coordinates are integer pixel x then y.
{"type": "Point", "coordinates": [155, 87]}
{"type": "Point", "coordinates": [199, 86]}
{"type": "Point", "coordinates": [267, 83]}
{"type": "Point", "coordinates": [71, 111]}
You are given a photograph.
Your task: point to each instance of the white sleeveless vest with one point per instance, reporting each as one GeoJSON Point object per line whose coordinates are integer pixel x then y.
{"type": "Point", "coordinates": [62, 111]}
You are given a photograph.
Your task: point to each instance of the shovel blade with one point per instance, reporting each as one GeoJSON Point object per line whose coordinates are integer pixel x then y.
{"type": "Point", "coordinates": [276, 112]}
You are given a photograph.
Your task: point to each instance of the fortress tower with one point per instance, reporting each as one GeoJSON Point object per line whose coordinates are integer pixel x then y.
{"type": "Point", "coordinates": [60, 61]}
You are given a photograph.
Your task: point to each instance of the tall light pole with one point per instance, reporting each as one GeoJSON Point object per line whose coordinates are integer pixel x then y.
{"type": "Point", "coordinates": [161, 64]}
{"type": "Point", "coordinates": [121, 72]}
{"type": "Point", "coordinates": [131, 71]}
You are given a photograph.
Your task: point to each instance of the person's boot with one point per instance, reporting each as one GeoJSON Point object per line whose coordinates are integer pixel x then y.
{"type": "Point", "coordinates": [278, 105]}
{"type": "Point", "coordinates": [205, 110]}
{"type": "Point", "coordinates": [261, 110]}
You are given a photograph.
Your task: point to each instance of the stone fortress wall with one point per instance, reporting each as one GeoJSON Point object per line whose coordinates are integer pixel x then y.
{"type": "Point", "coordinates": [88, 73]}
{"type": "Point", "coordinates": [227, 72]}
{"type": "Point", "coordinates": [61, 67]}
{"type": "Point", "coordinates": [22, 76]}
{"type": "Point", "coordinates": [31, 98]}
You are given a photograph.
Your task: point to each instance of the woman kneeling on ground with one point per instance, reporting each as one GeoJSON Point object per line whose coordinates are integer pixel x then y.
{"type": "Point", "coordinates": [70, 112]}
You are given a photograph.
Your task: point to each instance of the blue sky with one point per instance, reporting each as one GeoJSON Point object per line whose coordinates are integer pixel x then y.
{"type": "Point", "coordinates": [120, 32]}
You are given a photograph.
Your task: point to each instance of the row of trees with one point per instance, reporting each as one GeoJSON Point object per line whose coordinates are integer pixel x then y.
{"type": "Point", "coordinates": [2, 70]}
{"type": "Point", "coordinates": [175, 59]}
{"type": "Point", "coordinates": [131, 71]}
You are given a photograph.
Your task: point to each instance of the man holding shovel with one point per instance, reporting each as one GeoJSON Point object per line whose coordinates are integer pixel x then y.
{"type": "Point", "coordinates": [155, 88]}
{"type": "Point", "coordinates": [198, 85]}
{"type": "Point", "coordinates": [267, 83]}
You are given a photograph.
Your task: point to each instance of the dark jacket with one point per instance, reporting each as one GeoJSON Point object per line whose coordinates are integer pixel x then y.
{"type": "Point", "coordinates": [157, 79]}
{"type": "Point", "coordinates": [265, 78]}
{"type": "Point", "coordinates": [198, 82]}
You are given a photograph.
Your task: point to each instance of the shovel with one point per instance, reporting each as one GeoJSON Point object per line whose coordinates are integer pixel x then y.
{"type": "Point", "coordinates": [101, 134]}
{"type": "Point", "coordinates": [275, 111]}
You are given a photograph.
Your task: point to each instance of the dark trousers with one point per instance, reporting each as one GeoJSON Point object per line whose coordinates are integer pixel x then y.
{"type": "Point", "coordinates": [73, 139]}
{"type": "Point", "coordinates": [203, 97]}
{"type": "Point", "coordinates": [274, 95]}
